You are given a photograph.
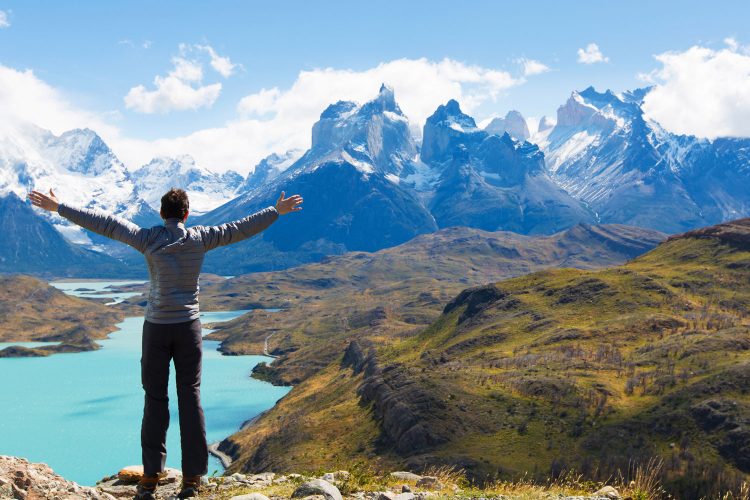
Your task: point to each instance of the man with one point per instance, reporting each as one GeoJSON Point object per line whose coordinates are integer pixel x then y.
{"type": "Point", "coordinates": [171, 329]}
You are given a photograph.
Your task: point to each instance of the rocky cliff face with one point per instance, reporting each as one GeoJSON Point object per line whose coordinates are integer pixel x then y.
{"type": "Point", "coordinates": [513, 123]}
{"type": "Point", "coordinates": [492, 182]}
{"type": "Point", "coordinates": [350, 181]}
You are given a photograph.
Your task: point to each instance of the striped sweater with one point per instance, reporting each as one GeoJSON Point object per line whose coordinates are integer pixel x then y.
{"type": "Point", "coordinates": [174, 254]}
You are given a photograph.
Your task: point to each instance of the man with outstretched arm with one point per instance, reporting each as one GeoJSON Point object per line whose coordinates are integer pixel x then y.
{"type": "Point", "coordinates": [171, 329]}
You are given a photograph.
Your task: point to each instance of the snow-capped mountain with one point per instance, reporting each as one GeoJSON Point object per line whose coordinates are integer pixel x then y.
{"type": "Point", "coordinates": [78, 165]}
{"type": "Point", "coordinates": [373, 137]}
{"type": "Point", "coordinates": [207, 190]}
{"type": "Point", "coordinates": [630, 170]}
{"type": "Point", "coordinates": [366, 187]}
{"type": "Point", "coordinates": [350, 180]}
{"type": "Point", "coordinates": [492, 182]}
{"type": "Point", "coordinates": [368, 184]}
{"type": "Point", "coordinates": [269, 168]}
{"type": "Point", "coordinates": [514, 124]}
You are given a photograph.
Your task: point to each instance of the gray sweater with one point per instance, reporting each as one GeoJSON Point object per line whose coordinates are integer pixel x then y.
{"type": "Point", "coordinates": [174, 253]}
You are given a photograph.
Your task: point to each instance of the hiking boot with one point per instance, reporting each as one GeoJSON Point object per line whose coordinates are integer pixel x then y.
{"type": "Point", "coordinates": [146, 487]}
{"type": "Point", "coordinates": [191, 486]}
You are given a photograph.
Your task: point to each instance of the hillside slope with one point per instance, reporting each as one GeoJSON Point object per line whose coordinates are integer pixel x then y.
{"type": "Point", "coordinates": [559, 368]}
{"type": "Point", "coordinates": [32, 310]}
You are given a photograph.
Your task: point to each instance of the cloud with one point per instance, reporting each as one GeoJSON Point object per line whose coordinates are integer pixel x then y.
{"type": "Point", "coordinates": [182, 88]}
{"type": "Point", "coordinates": [260, 103]}
{"type": "Point", "coordinates": [702, 91]}
{"type": "Point", "coordinates": [267, 121]}
{"type": "Point", "coordinates": [591, 55]}
{"type": "Point", "coordinates": [222, 65]}
{"type": "Point", "coordinates": [278, 119]}
{"type": "Point", "coordinates": [532, 67]}
{"type": "Point", "coordinates": [4, 22]}
{"type": "Point", "coordinates": [24, 98]}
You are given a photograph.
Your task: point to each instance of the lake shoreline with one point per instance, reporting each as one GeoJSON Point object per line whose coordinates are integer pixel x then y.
{"type": "Point", "coordinates": [225, 459]}
{"type": "Point", "coordinates": [123, 343]}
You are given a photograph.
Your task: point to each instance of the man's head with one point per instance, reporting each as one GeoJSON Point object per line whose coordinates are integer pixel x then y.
{"type": "Point", "coordinates": [174, 204]}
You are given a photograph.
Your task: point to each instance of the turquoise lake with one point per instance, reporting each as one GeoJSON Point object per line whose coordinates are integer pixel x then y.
{"type": "Point", "coordinates": [81, 412]}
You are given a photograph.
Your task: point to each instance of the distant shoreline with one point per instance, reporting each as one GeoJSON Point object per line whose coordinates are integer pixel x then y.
{"type": "Point", "coordinates": [225, 459]}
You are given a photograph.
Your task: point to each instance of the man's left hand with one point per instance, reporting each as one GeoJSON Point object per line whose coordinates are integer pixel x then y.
{"type": "Point", "coordinates": [286, 205]}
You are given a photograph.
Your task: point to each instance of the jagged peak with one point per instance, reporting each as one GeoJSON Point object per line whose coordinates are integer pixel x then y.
{"type": "Point", "coordinates": [337, 109]}
{"type": "Point", "coordinates": [173, 161]}
{"type": "Point", "coordinates": [636, 96]}
{"type": "Point", "coordinates": [513, 123]}
{"type": "Point", "coordinates": [385, 91]}
{"type": "Point", "coordinates": [451, 112]}
{"type": "Point", "coordinates": [384, 101]}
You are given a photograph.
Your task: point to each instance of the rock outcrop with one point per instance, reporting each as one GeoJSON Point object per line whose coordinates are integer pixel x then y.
{"type": "Point", "coordinates": [22, 479]}
{"type": "Point", "coordinates": [401, 406]}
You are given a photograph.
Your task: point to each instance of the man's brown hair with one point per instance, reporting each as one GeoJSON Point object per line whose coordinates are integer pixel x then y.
{"type": "Point", "coordinates": [174, 204]}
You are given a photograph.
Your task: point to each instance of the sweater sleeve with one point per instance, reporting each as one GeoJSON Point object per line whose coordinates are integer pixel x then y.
{"type": "Point", "coordinates": [107, 225]}
{"type": "Point", "coordinates": [233, 232]}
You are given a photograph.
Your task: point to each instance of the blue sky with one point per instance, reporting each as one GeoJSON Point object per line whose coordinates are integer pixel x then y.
{"type": "Point", "coordinates": [94, 53]}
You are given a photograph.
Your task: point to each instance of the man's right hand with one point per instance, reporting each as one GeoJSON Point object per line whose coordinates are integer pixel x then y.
{"type": "Point", "coordinates": [286, 205]}
{"type": "Point", "coordinates": [41, 200]}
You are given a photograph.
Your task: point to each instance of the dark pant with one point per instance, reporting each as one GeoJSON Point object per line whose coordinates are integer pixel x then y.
{"type": "Point", "coordinates": [161, 343]}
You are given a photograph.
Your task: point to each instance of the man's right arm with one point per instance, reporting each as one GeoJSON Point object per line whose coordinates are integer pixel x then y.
{"type": "Point", "coordinates": [232, 232]}
{"type": "Point", "coordinates": [107, 225]}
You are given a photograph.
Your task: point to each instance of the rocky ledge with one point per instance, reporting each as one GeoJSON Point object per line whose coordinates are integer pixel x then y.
{"type": "Point", "coordinates": [23, 480]}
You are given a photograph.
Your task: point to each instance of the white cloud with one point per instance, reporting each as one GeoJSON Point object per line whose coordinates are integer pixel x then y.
{"type": "Point", "coordinates": [702, 91]}
{"type": "Point", "coordinates": [189, 71]}
{"type": "Point", "coordinates": [24, 98]}
{"type": "Point", "coordinates": [4, 22]}
{"type": "Point", "coordinates": [222, 65]}
{"type": "Point", "coordinates": [260, 103]}
{"type": "Point", "coordinates": [270, 120]}
{"type": "Point", "coordinates": [532, 67]}
{"type": "Point", "coordinates": [278, 119]}
{"type": "Point", "coordinates": [591, 55]}
{"type": "Point", "coordinates": [181, 89]}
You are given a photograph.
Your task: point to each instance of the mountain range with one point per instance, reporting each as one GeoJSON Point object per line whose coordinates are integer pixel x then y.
{"type": "Point", "coordinates": [368, 184]}
{"type": "Point", "coordinates": [628, 169]}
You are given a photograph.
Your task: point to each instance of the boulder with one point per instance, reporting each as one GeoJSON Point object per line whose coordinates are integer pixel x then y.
{"type": "Point", "coordinates": [250, 496]}
{"type": "Point", "coordinates": [132, 473]}
{"type": "Point", "coordinates": [406, 476]}
{"type": "Point", "coordinates": [317, 487]}
{"type": "Point", "coordinates": [608, 492]}
{"type": "Point", "coordinates": [429, 483]}
{"type": "Point", "coordinates": [339, 475]}
{"type": "Point", "coordinates": [404, 496]}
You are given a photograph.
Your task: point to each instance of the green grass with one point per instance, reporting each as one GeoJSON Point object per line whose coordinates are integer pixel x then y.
{"type": "Point", "coordinates": [567, 369]}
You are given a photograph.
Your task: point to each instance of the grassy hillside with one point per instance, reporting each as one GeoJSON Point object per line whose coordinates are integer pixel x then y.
{"type": "Point", "coordinates": [392, 292]}
{"type": "Point", "coordinates": [32, 310]}
{"type": "Point", "coordinates": [556, 369]}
